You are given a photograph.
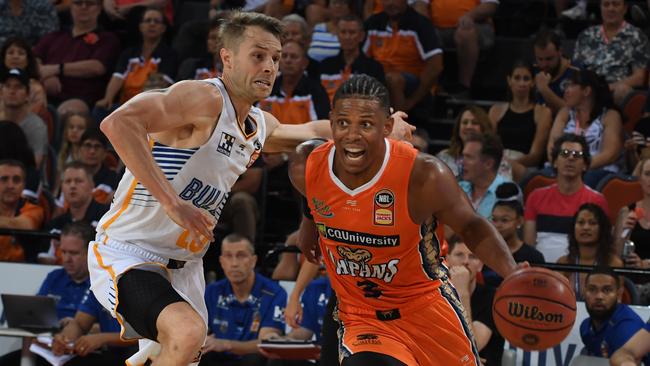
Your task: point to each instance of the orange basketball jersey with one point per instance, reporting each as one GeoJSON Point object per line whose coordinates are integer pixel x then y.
{"type": "Point", "coordinates": [376, 256]}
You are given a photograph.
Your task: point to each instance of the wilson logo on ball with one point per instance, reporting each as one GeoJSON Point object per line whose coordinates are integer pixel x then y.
{"type": "Point", "coordinates": [518, 310]}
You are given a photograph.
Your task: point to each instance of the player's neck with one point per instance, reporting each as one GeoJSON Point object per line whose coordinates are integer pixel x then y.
{"type": "Point", "coordinates": [237, 97]}
{"type": "Point", "coordinates": [243, 289]}
{"type": "Point", "coordinates": [354, 181]}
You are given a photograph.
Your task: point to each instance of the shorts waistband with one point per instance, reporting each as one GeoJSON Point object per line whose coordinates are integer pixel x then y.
{"type": "Point", "coordinates": [134, 249]}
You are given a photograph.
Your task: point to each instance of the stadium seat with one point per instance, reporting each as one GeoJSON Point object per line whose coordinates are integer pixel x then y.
{"type": "Point", "coordinates": [633, 106]}
{"type": "Point", "coordinates": [534, 181]}
{"type": "Point", "coordinates": [619, 191]}
{"type": "Point", "coordinates": [630, 294]}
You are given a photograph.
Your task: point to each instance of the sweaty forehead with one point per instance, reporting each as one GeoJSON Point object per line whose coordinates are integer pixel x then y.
{"type": "Point", "coordinates": [257, 37]}
{"type": "Point", "coordinates": [360, 105]}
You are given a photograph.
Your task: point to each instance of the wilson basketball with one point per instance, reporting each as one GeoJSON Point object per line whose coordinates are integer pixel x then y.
{"type": "Point", "coordinates": [534, 308]}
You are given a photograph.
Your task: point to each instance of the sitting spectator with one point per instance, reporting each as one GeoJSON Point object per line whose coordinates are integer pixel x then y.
{"type": "Point", "coordinates": [521, 124]}
{"type": "Point", "coordinates": [508, 218]}
{"type": "Point", "coordinates": [27, 19]}
{"type": "Point", "coordinates": [465, 26]}
{"type": "Point", "coordinates": [295, 98]}
{"type": "Point", "coordinates": [549, 211]}
{"type": "Point", "coordinates": [93, 154]}
{"type": "Point", "coordinates": [209, 66]}
{"type": "Point", "coordinates": [615, 50]}
{"type": "Point", "coordinates": [137, 64]}
{"type": "Point", "coordinates": [610, 324]}
{"type": "Point", "coordinates": [297, 29]}
{"type": "Point", "coordinates": [481, 156]}
{"type": "Point", "coordinates": [471, 119]}
{"type": "Point", "coordinates": [68, 284]}
{"type": "Point", "coordinates": [125, 16]}
{"type": "Point", "coordinates": [16, 212]}
{"type": "Point", "coordinates": [76, 63]}
{"type": "Point", "coordinates": [553, 70]}
{"type": "Point", "coordinates": [17, 54]}
{"type": "Point", "coordinates": [590, 243]}
{"type": "Point", "coordinates": [13, 145]}
{"type": "Point", "coordinates": [74, 125]}
{"type": "Point", "coordinates": [103, 348]}
{"type": "Point", "coordinates": [350, 60]}
{"type": "Point", "coordinates": [421, 140]}
{"type": "Point", "coordinates": [15, 107]}
{"type": "Point", "coordinates": [405, 43]}
{"type": "Point", "coordinates": [633, 223]}
{"type": "Point", "coordinates": [476, 299]}
{"type": "Point", "coordinates": [73, 105]}
{"type": "Point", "coordinates": [77, 190]}
{"type": "Point", "coordinates": [589, 113]}
{"type": "Point", "coordinates": [324, 40]}
{"type": "Point", "coordinates": [243, 308]}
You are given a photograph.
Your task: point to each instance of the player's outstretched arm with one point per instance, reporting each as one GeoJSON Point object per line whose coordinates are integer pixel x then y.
{"type": "Point", "coordinates": [633, 350]}
{"type": "Point", "coordinates": [434, 191]}
{"type": "Point", "coordinates": [172, 115]}
{"type": "Point", "coordinates": [285, 137]}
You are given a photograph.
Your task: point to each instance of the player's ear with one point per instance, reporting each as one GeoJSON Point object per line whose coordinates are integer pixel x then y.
{"type": "Point", "coordinates": [226, 57]}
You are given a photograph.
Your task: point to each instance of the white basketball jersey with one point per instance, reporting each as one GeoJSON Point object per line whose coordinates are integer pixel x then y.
{"type": "Point", "coordinates": [202, 176]}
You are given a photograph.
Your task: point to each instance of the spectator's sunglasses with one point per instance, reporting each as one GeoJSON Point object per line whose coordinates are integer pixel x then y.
{"type": "Point", "coordinates": [565, 153]}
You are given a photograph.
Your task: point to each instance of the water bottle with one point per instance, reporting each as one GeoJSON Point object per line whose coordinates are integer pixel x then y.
{"type": "Point", "coordinates": [628, 248]}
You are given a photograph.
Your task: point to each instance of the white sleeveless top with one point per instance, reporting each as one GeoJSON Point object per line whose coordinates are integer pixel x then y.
{"type": "Point", "coordinates": [593, 135]}
{"type": "Point", "coordinates": [202, 176]}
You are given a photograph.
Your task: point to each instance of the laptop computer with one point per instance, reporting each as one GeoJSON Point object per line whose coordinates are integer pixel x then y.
{"type": "Point", "coordinates": [36, 314]}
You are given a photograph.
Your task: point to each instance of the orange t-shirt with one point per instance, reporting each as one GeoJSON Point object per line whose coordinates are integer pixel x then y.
{"type": "Point", "coordinates": [445, 13]}
{"type": "Point", "coordinates": [376, 256]}
{"type": "Point", "coordinates": [10, 249]}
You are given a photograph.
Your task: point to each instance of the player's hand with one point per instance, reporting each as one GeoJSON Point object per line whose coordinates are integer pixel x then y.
{"type": "Point", "coordinates": [197, 221]}
{"type": "Point", "coordinates": [213, 344]}
{"type": "Point", "coordinates": [293, 312]}
{"type": "Point", "coordinates": [87, 344]}
{"type": "Point", "coordinates": [402, 130]}
{"type": "Point", "coordinates": [308, 241]}
{"type": "Point", "coordinates": [61, 345]}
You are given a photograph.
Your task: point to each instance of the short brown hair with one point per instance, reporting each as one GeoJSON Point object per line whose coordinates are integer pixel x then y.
{"type": "Point", "coordinates": [232, 30]}
{"type": "Point", "coordinates": [80, 166]}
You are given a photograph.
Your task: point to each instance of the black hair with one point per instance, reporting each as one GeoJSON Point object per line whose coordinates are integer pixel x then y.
{"type": "Point", "coordinates": [604, 270]}
{"type": "Point", "coordinates": [604, 252]}
{"type": "Point", "coordinates": [15, 163]}
{"type": "Point", "coordinates": [571, 137]}
{"type": "Point", "coordinates": [365, 87]}
{"type": "Point", "coordinates": [602, 97]}
{"type": "Point", "coordinates": [509, 195]}
{"type": "Point", "coordinates": [94, 134]}
{"type": "Point", "coordinates": [522, 64]}
{"type": "Point", "coordinates": [491, 147]}
{"type": "Point", "coordinates": [80, 229]}
{"type": "Point", "coordinates": [545, 37]}
{"type": "Point", "coordinates": [32, 66]}
{"type": "Point", "coordinates": [13, 144]}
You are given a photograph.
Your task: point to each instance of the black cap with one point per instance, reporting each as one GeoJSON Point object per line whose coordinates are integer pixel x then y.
{"type": "Point", "coordinates": [17, 74]}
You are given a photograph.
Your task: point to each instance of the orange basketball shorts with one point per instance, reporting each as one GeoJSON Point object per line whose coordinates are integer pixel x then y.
{"type": "Point", "coordinates": [430, 331]}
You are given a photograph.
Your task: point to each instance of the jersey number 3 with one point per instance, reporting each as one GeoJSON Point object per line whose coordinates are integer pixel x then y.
{"type": "Point", "coordinates": [370, 289]}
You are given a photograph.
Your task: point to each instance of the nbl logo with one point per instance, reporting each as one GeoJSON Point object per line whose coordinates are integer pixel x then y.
{"type": "Point", "coordinates": [225, 143]}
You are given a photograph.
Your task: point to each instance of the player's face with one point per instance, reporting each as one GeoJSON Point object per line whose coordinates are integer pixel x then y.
{"type": "Point", "coordinates": [74, 256]}
{"type": "Point", "coordinates": [12, 183]}
{"type": "Point", "coordinates": [548, 58]}
{"type": "Point", "coordinates": [506, 221]}
{"type": "Point", "coordinates": [462, 256]}
{"type": "Point", "coordinates": [520, 82]}
{"type": "Point", "coordinates": [468, 125]}
{"type": "Point", "coordinates": [586, 228]}
{"type": "Point", "coordinates": [350, 34]}
{"type": "Point", "coordinates": [237, 261]}
{"type": "Point", "coordinates": [252, 67]}
{"type": "Point", "coordinates": [601, 295]}
{"type": "Point", "coordinates": [76, 186]}
{"type": "Point", "coordinates": [359, 127]}
{"type": "Point", "coordinates": [570, 166]}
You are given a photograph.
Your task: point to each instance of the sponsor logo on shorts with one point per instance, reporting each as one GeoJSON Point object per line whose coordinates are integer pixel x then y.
{"type": "Point", "coordinates": [322, 208]}
{"type": "Point", "coordinates": [355, 262]}
{"type": "Point", "coordinates": [357, 238]}
{"type": "Point", "coordinates": [366, 338]}
{"type": "Point", "coordinates": [225, 143]}
{"type": "Point", "coordinates": [384, 208]}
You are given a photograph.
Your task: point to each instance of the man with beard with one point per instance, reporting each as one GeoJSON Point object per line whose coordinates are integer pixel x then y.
{"type": "Point", "coordinates": [552, 70]}
{"type": "Point", "coordinates": [610, 323]}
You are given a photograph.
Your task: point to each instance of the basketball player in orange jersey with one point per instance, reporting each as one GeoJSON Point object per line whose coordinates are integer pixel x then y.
{"type": "Point", "coordinates": [377, 206]}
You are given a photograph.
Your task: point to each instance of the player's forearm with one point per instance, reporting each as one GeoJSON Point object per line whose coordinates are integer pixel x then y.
{"type": "Point", "coordinates": [129, 139]}
{"type": "Point", "coordinates": [244, 348]}
{"type": "Point", "coordinates": [484, 241]}
{"type": "Point", "coordinates": [307, 273]}
{"type": "Point", "coordinates": [321, 128]}
{"type": "Point", "coordinates": [622, 357]}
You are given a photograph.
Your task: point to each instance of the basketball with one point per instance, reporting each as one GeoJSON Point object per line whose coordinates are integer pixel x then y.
{"type": "Point", "coordinates": [534, 308]}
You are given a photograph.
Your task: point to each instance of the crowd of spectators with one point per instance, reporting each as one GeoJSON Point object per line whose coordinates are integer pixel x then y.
{"type": "Point", "coordinates": [562, 114]}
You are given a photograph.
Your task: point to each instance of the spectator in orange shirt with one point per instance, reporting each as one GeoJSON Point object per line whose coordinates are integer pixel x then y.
{"type": "Point", "coordinates": [464, 25]}
{"type": "Point", "coordinates": [15, 211]}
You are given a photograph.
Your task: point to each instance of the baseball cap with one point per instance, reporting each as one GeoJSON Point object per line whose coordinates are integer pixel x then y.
{"type": "Point", "coordinates": [18, 74]}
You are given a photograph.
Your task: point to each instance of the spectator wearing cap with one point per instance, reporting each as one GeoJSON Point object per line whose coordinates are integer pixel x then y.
{"type": "Point", "coordinates": [16, 108]}
{"type": "Point", "coordinates": [28, 19]}
{"type": "Point", "coordinates": [76, 63]}
{"type": "Point", "coordinates": [15, 211]}
{"type": "Point", "coordinates": [92, 153]}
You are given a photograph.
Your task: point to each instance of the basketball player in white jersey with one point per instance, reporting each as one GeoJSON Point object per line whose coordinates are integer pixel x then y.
{"type": "Point", "coordinates": [184, 147]}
